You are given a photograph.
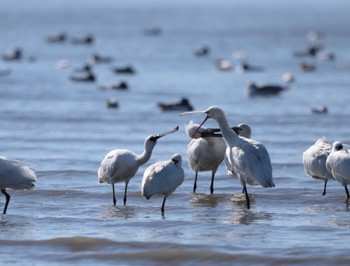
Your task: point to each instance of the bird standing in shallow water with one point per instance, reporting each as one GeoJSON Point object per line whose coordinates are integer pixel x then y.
{"type": "Point", "coordinates": [15, 175]}
{"type": "Point", "coordinates": [121, 165]}
{"type": "Point", "coordinates": [338, 163]}
{"type": "Point", "coordinates": [247, 159]}
{"type": "Point", "coordinates": [163, 178]}
{"type": "Point", "coordinates": [314, 161]}
{"type": "Point", "coordinates": [204, 154]}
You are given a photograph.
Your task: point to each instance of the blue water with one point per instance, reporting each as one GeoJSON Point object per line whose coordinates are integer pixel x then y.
{"type": "Point", "coordinates": [63, 130]}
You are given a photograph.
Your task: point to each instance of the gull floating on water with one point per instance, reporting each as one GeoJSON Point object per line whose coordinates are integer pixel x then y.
{"type": "Point", "coordinates": [121, 165]}
{"type": "Point", "coordinates": [247, 159]}
{"type": "Point", "coordinates": [314, 161]}
{"type": "Point", "coordinates": [162, 178]}
{"type": "Point", "coordinates": [15, 175]}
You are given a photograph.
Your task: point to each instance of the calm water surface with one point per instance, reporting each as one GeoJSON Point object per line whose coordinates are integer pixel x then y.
{"type": "Point", "coordinates": [63, 130]}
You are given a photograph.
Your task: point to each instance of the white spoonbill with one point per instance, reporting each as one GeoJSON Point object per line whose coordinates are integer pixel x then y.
{"type": "Point", "coordinates": [338, 163]}
{"type": "Point", "coordinates": [15, 175]}
{"type": "Point", "coordinates": [204, 154]}
{"type": "Point", "coordinates": [314, 160]}
{"type": "Point", "coordinates": [163, 178]}
{"type": "Point", "coordinates": [121, 165]}
{"type": "Point", "coordinates": [246, 158]}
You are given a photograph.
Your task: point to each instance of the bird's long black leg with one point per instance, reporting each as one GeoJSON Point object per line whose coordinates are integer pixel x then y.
{"type": "Point", "coordinates": [325, 186]}
{"type": "Point", "coordinates": [195, 183]}
{"type": "Point", "coordinates": [7, 199]}
{"type": "Point", "coordinates": [114, 198]}
{"type": "Point", "coordinates": [212, 183]}
{"type": "Point", "coordinates": [125, 191]}
{"type": "Point", "coordinates": [162, 209]}
{"type": "Point", "coordinates": [246, 196]}
{"type": "Point", "coordinates": [347, 192]}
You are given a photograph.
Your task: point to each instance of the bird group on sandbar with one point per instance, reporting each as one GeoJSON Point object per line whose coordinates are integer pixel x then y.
{"type": "Point", "coordinates": [245, 159]}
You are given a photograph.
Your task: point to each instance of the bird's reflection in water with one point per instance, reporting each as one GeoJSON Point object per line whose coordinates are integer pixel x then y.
{"type": "Point", "coordinates": [208, 200]}
{"type": "Point", "coordinates": [111, 212]}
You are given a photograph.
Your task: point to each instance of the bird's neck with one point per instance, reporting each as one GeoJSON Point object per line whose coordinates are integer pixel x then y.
{"type": "Point", "coordinates": [230, 137]}
{"type": "Point", "coordinates": [145, 156]}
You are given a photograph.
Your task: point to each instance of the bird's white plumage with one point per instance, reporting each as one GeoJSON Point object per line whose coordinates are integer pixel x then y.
{"type": "Point", "coordinates": [162, 178]}
{"type": "Point", "coordinates": [246, 158]}
{"type": "Point", "coordinates": [121, 165]}
{"type": "Point", "coordinates": [204, 154]}
{"type": "Point", "coordinates": [314, 160]}
{"type": "Point", "coordinates": [16, 175]}
{"type": "Point", "coordinates": [338, 163]}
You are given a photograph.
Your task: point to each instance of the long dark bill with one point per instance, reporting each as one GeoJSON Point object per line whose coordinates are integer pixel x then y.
{"type": "Point", "coordinates": [195, 132]}
{"type": "Point", "coordinates": [168, 132]}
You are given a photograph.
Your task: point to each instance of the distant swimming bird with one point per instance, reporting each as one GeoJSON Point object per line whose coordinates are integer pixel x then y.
{"type": "Point", "coordinates": [307, 67]}
{"type": "Point", "coordinates": [124, 70]}
{"type": "Point", "coordinates": [121, 165]}
{"type": "Point", "coordinates": [15, 175]}
{"type": "Point", "coordinates": [57, 38]}
{"type": "Point", "coordinates": [122, 85]}
{"type": "Point", "coordinates": [263, 90]}
{"type": "Point", "coordinates": [201, 51]}
{"type": "Point", "coordinates": [338, 163]}
{"type": "Point", "coordinates": [112, 103]}
{"type": "Point", "coordinates": [319, 110]}
{"type": "Point", "coordinates": [13, 55]}
{"type": "Point", "coordinates": [83, 39]}
{"type": "Point", "coordinates": [314, 161]}
{"type": "Point", "coordinates": [182, 105]}
{"type": "Point", "coordinates": [204, 154]}
{"type": "Point", "coordinates": [288, 77]}
{"type": "Point", "coordinates": [87, 77]}
{"type": "Point", "coordinates": [223, 64]}
{"type": "Point", "coordinates": [96, 59]}
{"type": "Point", "coordinates": [247, 159]}
{"type": "Point", "coordinates": [245, 67]}
{"type": "Point", "coordinates": [152, 31]}
{"type": "Point", "coordinates": [312, 50]}
{"type": "Point", "coordinates": [162, 178]}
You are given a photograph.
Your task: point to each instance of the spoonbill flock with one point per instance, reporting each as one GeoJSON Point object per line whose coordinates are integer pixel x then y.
{"type": "Point", "coordinates": [245, 159]}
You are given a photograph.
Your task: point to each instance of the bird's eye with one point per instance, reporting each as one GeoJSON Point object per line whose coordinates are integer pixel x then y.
{"type": "Point", "coordinates": [153, 138]}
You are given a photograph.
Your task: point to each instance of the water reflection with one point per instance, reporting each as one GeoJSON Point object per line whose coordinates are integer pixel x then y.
{"type": "Point", "coordinates": [111, 212]}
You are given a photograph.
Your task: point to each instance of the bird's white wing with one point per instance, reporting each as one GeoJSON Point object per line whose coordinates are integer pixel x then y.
{"type": "Point", "coordinates": [16, 175]}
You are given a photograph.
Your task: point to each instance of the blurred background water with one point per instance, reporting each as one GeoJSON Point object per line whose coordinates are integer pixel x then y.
{"type": "Point", "coordinates": [63, 129]}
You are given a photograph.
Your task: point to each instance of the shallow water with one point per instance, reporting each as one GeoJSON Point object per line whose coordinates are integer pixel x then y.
{"type": "Point", "coordinates": [62, 129]}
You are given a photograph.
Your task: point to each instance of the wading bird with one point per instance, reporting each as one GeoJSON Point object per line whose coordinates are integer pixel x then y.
{"type": "Point", "coordinates": [314, 160]}
{"type": "Point", "coordinates": [15, 175]}
{"type": "Point", "coordinates": [338, 163]}
{"type": "Point", "coordinates": [246, 159]}
{"type": "Point", "coordinates": [121, 165]}
{"type": "Point", "coordinates": [162, 178]}
{"type": "Point", "coordinates": [204, 154]}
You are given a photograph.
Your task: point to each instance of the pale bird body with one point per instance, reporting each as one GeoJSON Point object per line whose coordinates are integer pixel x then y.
{"type": "Point", "coordinates": [162, 178]}
{"type": "Point", "coordinates": [15, 175]}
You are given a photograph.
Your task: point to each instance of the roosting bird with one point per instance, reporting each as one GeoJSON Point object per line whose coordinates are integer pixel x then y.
{"type": "Point", "coordinates": [314, 161]}
{"type": "Point", "coordinates": [162, 178]}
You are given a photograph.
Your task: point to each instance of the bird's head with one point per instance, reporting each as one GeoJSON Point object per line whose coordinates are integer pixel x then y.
{"type": "Point", "coordinates": [213, 112]}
